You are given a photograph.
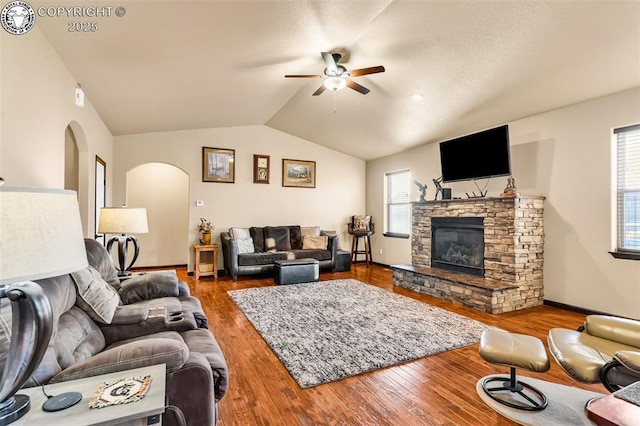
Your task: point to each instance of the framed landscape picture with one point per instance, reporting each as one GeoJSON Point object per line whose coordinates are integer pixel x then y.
{"type": "Point", "coordinates": [298, 173]}
{"type": "Point", "coordinates": [218, 165]}
{"type": "Point", "coordinates": [260, 168]}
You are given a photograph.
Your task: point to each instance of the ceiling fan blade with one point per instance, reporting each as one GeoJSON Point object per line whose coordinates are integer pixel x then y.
{"type": "Point", "coordinates": [365, 71]}
{"type": "Point", "coordinates": [319, 91]}
{"type": "Point", "coordinates": [330, 62]}
{"type": "Point", "coordinates": [302, 76]}
{"type": "Point", "coordinates": [358, 88]}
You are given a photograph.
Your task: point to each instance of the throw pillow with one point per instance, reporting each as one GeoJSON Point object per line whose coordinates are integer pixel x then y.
{"type": "Point", "coordinates": [276, 238]}
{"type": "Point", "coordinates": [257, 234]}
{"type": "Point", "coordinates": [332, 234]}
{"type": "Point", "coordinates": [245, 245]}
{"type": "Point", "coordinates": [314, 243]}
{"type": "Point", "coordinates": [97, 298]}
{"type": "Point", "coordinates": [295, 237]}
{"type": "Point", "coordinates": [361, 223]}
{"type": "Point", "coordinates": [313, 231]}
{"type": "Point", "coordinates": [237, 233]}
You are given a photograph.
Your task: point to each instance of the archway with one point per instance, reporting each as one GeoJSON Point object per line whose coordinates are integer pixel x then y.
{"type": "Point", "coordinates": [163, 189]}
{"type": "Point", "coordinates": [81, 168]}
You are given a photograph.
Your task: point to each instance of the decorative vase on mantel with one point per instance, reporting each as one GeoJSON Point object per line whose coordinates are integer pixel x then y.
{"type": "Point", "coordinates": [206, 238]}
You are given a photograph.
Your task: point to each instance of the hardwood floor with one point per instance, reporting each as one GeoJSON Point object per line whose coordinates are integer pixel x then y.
{"type": "Point", "coordinates": [435, 390]}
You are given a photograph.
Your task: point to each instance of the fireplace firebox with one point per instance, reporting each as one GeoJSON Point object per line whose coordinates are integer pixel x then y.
{"type": "Point", "coordinates": [457, 244]}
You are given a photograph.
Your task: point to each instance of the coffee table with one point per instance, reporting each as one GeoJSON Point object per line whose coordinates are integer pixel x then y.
{"type": "Point", "coordinates": [613, 411]}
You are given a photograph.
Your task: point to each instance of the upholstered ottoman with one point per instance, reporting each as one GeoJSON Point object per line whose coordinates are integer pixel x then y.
{"type": "Point", "coordinates": [343, 261]}
{"type": "Point", "coordinates": [296, 271]}
{"type": "Point", "coordinates": [514, 351]}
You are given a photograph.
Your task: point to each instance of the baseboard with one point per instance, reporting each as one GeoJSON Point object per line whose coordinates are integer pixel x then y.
{"type": "Point", "coordinates": [577, 309]}
{"type": "Point", "coordinates": [155, 268]}
{"type": "Point", "coordinates": [220, 272]}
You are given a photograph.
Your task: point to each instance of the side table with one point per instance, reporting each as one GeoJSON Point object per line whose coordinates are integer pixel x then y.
{"type": "Point", "coordinates": [150, 407]}
{"type": "Point", "coordinates": [203, 269]}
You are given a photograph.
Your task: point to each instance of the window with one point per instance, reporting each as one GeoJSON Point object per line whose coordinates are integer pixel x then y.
{"type": "Point", "coordinates": [627, 140]}
{"type": "Point", "coordinates": [398, 207]}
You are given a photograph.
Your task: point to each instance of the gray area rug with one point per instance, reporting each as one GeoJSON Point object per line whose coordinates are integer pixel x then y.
{"type": "Point", "coordinates": [329, 330]}
{"type": "Point", "coordinates": [566, 404]}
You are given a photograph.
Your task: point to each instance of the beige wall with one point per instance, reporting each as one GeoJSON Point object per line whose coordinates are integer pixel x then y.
{"type": "Point", "coordinates": [37, 102]}
{"type": "Point", "coordinates": [164, 191]}
{"type": "Point", "coordinates": [339, 192]}
{"type": "Point", "coordinates": [564, 155]}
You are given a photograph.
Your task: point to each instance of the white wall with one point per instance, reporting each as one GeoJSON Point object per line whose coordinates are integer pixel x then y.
{"type": "Point", "coordinates": [339, 192]}
{"type": "Point", "coordinates": [564, 155]}
{"type": "Point", "coordinates": [37, 102]}
{"type": "Point", "coordinates": [164, 191]}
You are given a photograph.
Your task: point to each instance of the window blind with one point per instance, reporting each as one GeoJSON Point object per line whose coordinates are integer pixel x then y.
{"type": "Point", "coordinates": [398, 206]}
{"type": "Point", "coordinates": [628, 188]}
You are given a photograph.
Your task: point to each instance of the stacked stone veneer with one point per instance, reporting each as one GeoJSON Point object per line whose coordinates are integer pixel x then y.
{"type": "Point", "coordinates": [513, 251]}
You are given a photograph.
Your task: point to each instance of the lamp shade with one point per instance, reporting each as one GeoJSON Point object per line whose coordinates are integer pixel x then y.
{"type": "Point", "coordinates": [123, 220]}
{"type": "Point", "coordinates": [40, 234]}
{"type": "Point", "coordinates": [335, 83]}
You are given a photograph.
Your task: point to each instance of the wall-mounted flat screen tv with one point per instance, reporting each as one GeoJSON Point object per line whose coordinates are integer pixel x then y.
{"type": "Point", "coordinates": [477, 156]}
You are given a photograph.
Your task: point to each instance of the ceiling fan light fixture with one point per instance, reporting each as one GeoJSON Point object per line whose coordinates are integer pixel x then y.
{"type": "Point", "coordinates": [335, 83]}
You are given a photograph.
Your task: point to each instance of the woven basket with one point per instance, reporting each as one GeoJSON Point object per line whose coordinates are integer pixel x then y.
{"type": "Point", "coordinates": [206, 267]}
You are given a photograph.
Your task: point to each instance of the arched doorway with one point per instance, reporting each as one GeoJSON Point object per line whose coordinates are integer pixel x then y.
{"type": "Point", "coordinates": [163, 189]}
{"type": "Point", "coordinates": [77, 173]}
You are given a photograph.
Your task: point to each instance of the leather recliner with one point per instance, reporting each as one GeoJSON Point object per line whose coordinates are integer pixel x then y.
{"type": "Point", "coordinates": [605, 349]}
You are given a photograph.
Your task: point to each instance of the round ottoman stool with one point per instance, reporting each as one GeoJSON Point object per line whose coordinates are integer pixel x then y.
{"type": "Point", "coordinates": [514, 351]}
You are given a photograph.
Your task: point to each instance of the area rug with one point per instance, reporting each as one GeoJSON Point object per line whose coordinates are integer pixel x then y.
{"type": "Point", "coordinates": [326, 331]}
{"type": "Point", "coordinates": [566, 405]}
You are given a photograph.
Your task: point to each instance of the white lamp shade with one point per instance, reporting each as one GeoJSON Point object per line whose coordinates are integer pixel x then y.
{"type": "Point", "coordinates": [40, 234]}
{"type": "Point", "coordinates": [335, 83]}
{"type": "Point", "coordinates": [123, 220]}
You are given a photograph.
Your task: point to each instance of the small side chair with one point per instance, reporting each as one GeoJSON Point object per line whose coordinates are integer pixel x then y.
{"type": "Point", "coordinates": [361, 227]}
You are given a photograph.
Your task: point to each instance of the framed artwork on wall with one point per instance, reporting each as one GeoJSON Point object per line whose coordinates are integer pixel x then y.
{"type": "Point", "coordinates": [260, 168]}
{"type": "Point", "coordinates": [298, 173]}
{"type": "Point", "coordinates": [218, 165]}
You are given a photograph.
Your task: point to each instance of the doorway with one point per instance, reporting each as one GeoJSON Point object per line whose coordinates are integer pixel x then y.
{"type": "Point", "coordinates": [163, 189]}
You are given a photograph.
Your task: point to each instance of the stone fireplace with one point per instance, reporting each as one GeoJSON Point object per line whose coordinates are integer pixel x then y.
{"type": "Point", "coordinates": [510, 274]}
{"type": "Point", "coordinates": [457, 244]}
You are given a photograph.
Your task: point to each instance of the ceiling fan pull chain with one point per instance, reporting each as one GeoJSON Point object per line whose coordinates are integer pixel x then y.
{"type": "Point", "coordinates": [335, 95]}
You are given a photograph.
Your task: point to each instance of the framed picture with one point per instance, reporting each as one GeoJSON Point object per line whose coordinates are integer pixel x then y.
{"type": "Point", "coordinates": [218, 165]}
{"type": "Point", "coordinates": [260, 168]}
{"type": "Point", "coordinates": [298, 173]}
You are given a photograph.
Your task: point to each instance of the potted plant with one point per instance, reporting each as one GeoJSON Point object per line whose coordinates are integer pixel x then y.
{"type": "Point", "coordinates": [206, 228]}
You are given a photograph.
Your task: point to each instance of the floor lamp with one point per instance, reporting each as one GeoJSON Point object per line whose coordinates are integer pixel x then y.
{"type": "Point", "coordinates": [123, 221]}
{"type": "Point", "coordinates": [41, 238]}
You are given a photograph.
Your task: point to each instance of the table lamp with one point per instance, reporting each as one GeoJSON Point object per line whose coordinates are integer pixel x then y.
{"type": "Point", "coordinates": [41, 238]}
{"type": "Point", "coordinates": [123, 221]}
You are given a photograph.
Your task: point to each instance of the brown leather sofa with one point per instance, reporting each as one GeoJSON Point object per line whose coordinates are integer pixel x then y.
{"type": "Point", "coordinates": [605, 349]}
{"type": "Point", "coordinates": [155, 321]}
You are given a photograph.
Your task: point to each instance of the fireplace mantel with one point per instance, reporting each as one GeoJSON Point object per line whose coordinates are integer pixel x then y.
{"type": "Point", "coordinates": [513, 251]}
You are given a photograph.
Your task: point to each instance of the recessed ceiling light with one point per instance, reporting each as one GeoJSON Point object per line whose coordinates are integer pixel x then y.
{"type": "Point", "coordinates": [417, 96]}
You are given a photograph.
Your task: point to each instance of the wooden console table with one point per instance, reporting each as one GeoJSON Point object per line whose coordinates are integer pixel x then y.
{"type": "Point", "coordinates": [203, 269]}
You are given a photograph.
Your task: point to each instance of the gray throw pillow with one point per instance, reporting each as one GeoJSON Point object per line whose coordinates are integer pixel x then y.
{"type": "Point", "coordinates": [245, 245]}
{"type": "Point", "coordinates": [276, 238]}
{"type": "Point", "coordinates": [97, 298]}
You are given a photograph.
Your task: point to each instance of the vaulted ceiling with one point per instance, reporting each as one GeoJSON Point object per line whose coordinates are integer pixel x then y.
{"type": "Point", "coordinates": [170, 65]}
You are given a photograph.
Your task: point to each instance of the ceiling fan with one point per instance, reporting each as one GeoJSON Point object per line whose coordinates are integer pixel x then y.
{"type": "Point", "coordinates": [337, 77]}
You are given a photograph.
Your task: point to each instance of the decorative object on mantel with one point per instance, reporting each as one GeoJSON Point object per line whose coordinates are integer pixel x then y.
{"type": "Point", "coordinates": [446, 192]}
{"type": "Point", "coordinates": [510, 190]}
{"type": "Point", "coordinates": [205, 228]}
{"type": "Point", "coordinates": [423, 190]}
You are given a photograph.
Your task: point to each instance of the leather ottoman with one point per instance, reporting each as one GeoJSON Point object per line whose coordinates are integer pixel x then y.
{"type": "Point", "coordinates": [343, 261]}
{"type": "Point", "coordinates": [296, 271]}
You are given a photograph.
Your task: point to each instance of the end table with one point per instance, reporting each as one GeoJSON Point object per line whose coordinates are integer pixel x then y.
{"type": "Point", "coordinates": [203, 269]}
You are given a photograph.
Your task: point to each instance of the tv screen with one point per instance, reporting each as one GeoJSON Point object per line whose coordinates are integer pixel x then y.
{"type": "Point", "coordinates": [476, 156]}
